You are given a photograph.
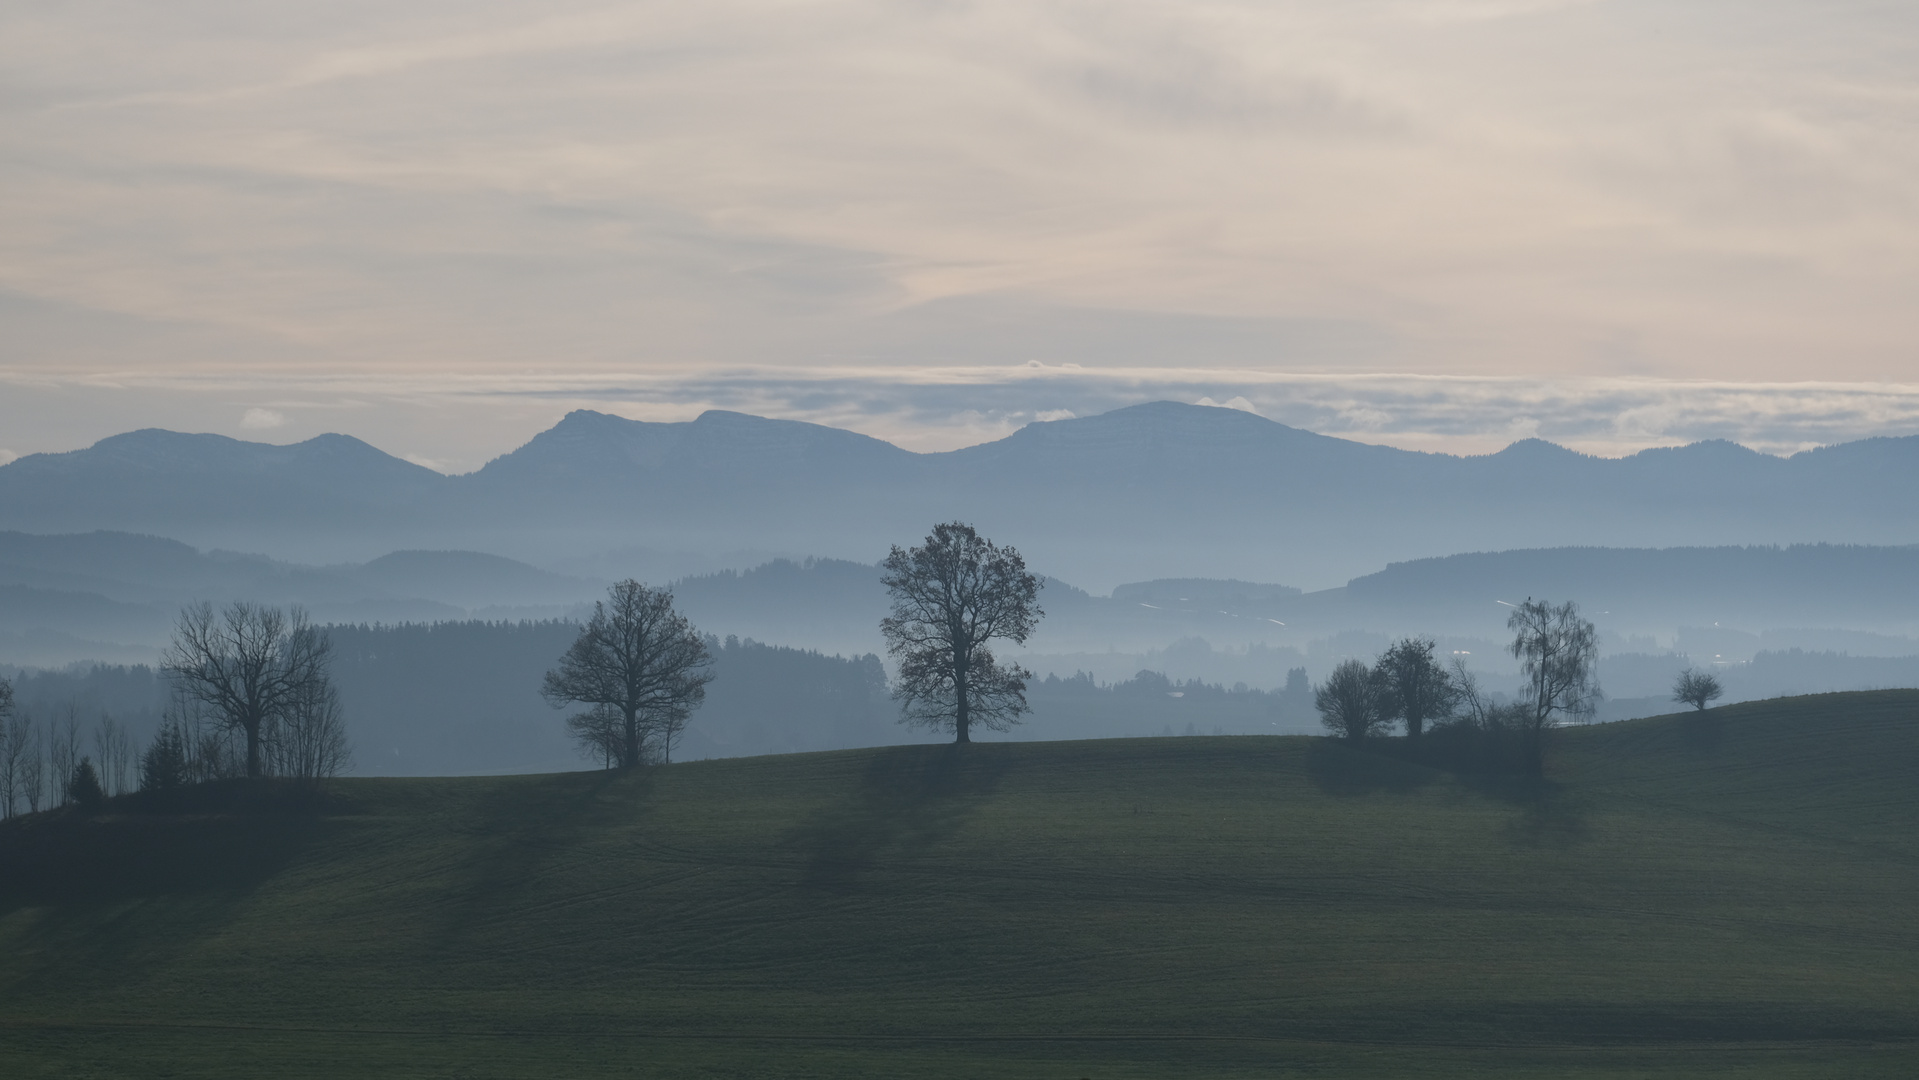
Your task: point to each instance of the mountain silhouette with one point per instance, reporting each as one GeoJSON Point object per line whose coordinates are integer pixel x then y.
{"type": "Point", "coordinates": [1152, 491]}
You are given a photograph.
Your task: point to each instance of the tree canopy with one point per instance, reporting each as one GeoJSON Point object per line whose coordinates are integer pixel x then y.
{"type": "Point", "coordinates": [643, 669]}
{"type": "Point", "coordinates": [952, 596]}
{"type": "Point", "coordinates": [1557, 651]}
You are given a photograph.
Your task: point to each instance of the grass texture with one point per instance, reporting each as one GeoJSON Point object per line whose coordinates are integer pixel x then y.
{"type": "Point", "coordinates": [1731, 893]}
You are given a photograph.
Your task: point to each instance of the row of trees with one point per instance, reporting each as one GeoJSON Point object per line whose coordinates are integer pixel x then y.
{"type": "Point", "coordinates": [251, 698]}
{"type": "Point", "coordinates": [640, 667]}
{"type": "Point", "coordinates": [1557, 651]}
{"type": "Point", "coordinates": [40, 760]}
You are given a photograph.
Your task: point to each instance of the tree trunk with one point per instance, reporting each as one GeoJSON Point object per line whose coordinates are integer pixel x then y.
{"type": "Point", "coordinates": [630, 748]}
{"type": "Point", "coordinates": [253, 750]}
{"type": "Point", "coordinates": [962, 709]}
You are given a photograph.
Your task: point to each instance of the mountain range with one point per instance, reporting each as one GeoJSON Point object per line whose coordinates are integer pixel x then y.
{"type": "Point", "coordinates": [1153, 491]}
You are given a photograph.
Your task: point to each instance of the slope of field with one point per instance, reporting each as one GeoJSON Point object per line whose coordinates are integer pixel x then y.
{"type": "Point", "coordinates": [1727, 894]}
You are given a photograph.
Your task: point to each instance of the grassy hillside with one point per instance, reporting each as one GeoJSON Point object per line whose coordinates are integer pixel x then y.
{"type": "Point", "coordinates": [1731, 894]}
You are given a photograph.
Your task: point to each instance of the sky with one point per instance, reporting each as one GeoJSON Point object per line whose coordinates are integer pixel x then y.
{"type": "Point", "coordinates": [1437, 224]}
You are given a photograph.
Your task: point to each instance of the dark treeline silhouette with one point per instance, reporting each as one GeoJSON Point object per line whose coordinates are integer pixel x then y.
{"type": "Point", "coordinates": [1149, 703]}
{"type": "Point", "coordinates": [1558, 652]}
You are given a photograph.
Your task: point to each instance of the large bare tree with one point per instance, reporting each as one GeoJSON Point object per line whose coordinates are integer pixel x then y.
{"type": "Point", "coordinates": [252, 667]}
{"type": "Point", "coordinates": [642, 667]}
{"type": "Point", "coordinates": [951, 597]}
{"type": "Point", "coordinates": [1557, 651]}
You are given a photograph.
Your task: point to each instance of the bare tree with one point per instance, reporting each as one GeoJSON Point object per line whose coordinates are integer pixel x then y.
{"type": "Point", "coordinates": [308, 740]}
{"type": "Point", "coordinates": [642, 667]}
{"type": "Point", "coordinates": [250, 665]}
{"type": "Point", "coordinates": [1557, 651]}
{"type": "Point", "coordinates": [210, 750]}
{"type": "Point", "coordinates": [63, 751]}
{"type": "Point", "coordinates": [952, 597]}
{"type": "Point", "coordinates": [13, 749]}
{"type": "Point", "coordinates": [600, 733]}
{"type": "Point", "coordinates": [1413, 685]}
{"type": "Point", "coordinates": [1697, 688]}
{"type": "Point", "coordinates": [1349, 701]}
{"type": "Point", "coordinates": [33, 765]}
{"type": "Point", "coordinates": [111, 748]}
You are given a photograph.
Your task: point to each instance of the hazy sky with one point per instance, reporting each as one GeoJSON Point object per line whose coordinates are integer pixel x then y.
{"type": "Point", "coordinates": [1434, 223]}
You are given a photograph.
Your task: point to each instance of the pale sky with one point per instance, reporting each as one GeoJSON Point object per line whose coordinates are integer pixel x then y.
{"type": "Point", "coordinates": [1439, 224]}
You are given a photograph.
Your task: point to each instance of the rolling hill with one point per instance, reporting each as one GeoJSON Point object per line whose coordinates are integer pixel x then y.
{"type": "Point", "coordinates": [1717, 894]}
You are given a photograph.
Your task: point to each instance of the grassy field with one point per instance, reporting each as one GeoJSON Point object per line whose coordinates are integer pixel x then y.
{"type": "Point", "coordinates": [1729, 894]}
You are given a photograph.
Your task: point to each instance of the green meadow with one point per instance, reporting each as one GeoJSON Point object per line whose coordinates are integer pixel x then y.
{"type": "Point", "coordinates": [1732, 893]}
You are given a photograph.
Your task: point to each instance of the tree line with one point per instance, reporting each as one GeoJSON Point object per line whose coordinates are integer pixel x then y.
{"type": "Point", "coordinates": [1557, 650]}
{"type": "Point", "coordinates": [250, 697]}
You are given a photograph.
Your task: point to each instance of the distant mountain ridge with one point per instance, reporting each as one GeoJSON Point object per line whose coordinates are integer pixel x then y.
{"type": "Point", "coordinates": [1150, 491]}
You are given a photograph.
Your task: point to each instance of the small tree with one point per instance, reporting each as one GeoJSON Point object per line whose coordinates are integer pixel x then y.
{"type": "Point", "coordinates": [164, 764]}
{"type": "Point", "coordinates": [642, 667]}
{"type": "Point", "coordinates": [951, 597]}
{"type": "Point", "coordinates": [83, 787]}
{"type": "Point", "coordinates": [1349, 702]}
{"type": "Point", "coordinates": [250, 665]}
{"type": "Point", "coordinates": [1557, 651]}
{"type": "Point", "coordinates": [1697, 688]}
{"type": "Point", "coordinates": [1413, 685]}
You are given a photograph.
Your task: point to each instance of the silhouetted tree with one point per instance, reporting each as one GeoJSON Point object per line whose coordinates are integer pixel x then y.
{"type": "Point", "coordinates": [1349, 701]}
{"type": "Point", "coordinates": [251, 666]}
{"type": "Point", "coordinates": [1697, 688]}
{"type": "Point", "coordinates": [32, 763]}
{"type": "Point", "coordinates": [951, 597]}
{"type": "Point", "coordinates": [1557, 651]}
{"type": "Point", "coordinates": [164, 764]}
{"type": "Point", "coordinates": [1413, 685]}
{"type": "Point", "coordinates": [111, 749]}
{"type": "Point", "coordinates": [14, 737]}
{"type": "Point", "coordinates": [642, 667]}
{"type": "Point", "coordinates": [63, 751]}
{"type": "Point", "coordinates": [308, 739]}
{"type": "Point", "coordinates": [83, 788]}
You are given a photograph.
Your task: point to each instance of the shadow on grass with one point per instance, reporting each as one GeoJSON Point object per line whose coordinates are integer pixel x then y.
{"type": "Point", "coordinates": [1345, 770]}
{"type": "Point", "coordinates": [1701, 732]}
{"type": "Point", "coordinates": [151, 874]}
{"type": "Point", "coordinates": [908, 798]}
{"type": "Point", "coordinates": [221, 837]}
{"type": "Point", "coordinates": [1550, 816]}
{"type": "Point", "coordinates": [512, 839]}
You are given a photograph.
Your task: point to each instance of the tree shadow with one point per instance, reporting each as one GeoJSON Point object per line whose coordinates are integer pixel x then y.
{"type": "Point", "coordinates": [1345, 770]}
{"type": "Point", "coordinates": [142, 876]}
{"type": "Point", "coordinates": [908, 798]}
{"type": "Point", "coordinates": [513, 838]}
{"type": "Point", "coordinates": [1549, 814]}
{"type": "Point", "coordinates": [1701, 732]}
{"type": "Point", "coordinates": [222, 837]}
